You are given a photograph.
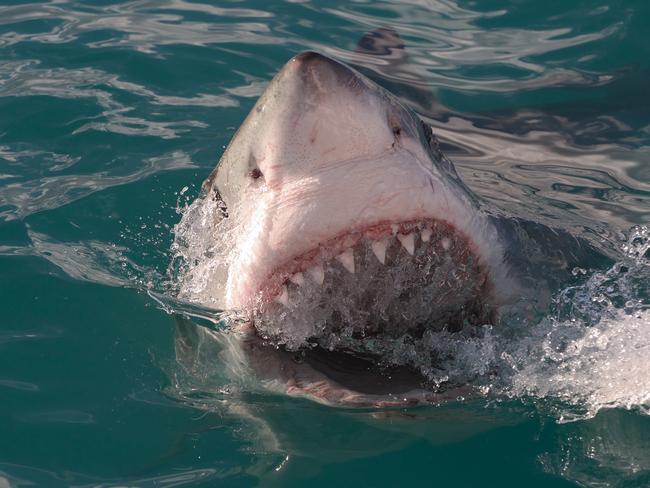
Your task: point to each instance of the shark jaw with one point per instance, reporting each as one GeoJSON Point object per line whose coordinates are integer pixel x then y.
{"type": "Point", "coordinates": [361, 290]}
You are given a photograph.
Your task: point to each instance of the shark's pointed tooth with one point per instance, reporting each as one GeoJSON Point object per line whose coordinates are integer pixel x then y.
{"type": "Point", "coordinates": [317, 273]}
{"type": "Point", "coordinates": [426, 235]}
{"type": "Point", "coordinates": [394, 228]}
{"type": "Point", "coordinates": [408, 241]}
{"type": "Point", "coordinates": [298, 279]}
{"type": "Point", "coordinates": [445, 243]}
{"type": "Point", "coordinates": [379, 248]}
{"type": "Point", "coordinates": [346, 258]}
{"type": "Point", "coordinates": [283, 297]}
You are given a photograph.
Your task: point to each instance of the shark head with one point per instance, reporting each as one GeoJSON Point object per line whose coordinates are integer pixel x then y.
{"type": "Point", "coordinates": [350, 221]}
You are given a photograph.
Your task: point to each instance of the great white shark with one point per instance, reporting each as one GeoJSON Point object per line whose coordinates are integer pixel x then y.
{"type": "Point", "coordinates": [348, 228]}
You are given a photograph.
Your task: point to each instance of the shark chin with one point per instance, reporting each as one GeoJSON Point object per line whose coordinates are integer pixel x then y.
{"type": "Point", "coordinates": [346, 228]}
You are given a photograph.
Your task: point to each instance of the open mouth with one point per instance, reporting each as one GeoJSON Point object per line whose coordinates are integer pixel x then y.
{"type": "Point", "coordinates": [362, 374]}
{"type": "Point", "coordinates": [361, 290]}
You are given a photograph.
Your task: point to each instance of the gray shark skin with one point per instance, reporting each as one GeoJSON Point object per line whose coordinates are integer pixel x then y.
{"type": "Point", "coordinates": [349, 228]}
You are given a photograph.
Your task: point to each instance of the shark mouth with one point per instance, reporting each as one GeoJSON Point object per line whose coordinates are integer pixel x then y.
{"type": "Point", "coordinates": [362, 289]}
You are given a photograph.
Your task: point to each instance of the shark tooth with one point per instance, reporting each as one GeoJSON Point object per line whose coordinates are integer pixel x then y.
{"type": "Point", "coordinates": [346, 258]}
{"type": "Point", "coordinates": [283, 297]}
{"type": "Point", "coordinates": [408, 241]}
{"type": "Point", "coordinates": [317, 273]}
{"type": "Point", "coordinates": [394, 228]}
{"type": "Point", "coordinates": [445, 243]}
{"type": "Point", "coordinates": [379, 248]}
{"type": "Point", "coordinates": [298, 279]}
{"type": "Point", "coordinates": [426, 235]}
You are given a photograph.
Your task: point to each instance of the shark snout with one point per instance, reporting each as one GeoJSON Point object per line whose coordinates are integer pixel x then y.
{"type": "Point", "coordinates": [320, 74]}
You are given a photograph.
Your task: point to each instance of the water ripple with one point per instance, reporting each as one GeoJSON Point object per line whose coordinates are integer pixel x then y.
{"type": "Point", "coordinates": [140, 25]}
{"type": "Point", "coordinates": [543, 176]}
{"type": "Point", "coordinates": [446, 40]}
{"type": "Point", "coordinates": [18, 200]}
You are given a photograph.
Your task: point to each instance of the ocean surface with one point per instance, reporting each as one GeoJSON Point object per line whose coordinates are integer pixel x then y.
{"type": "Point", "coordinates": [113, 113]}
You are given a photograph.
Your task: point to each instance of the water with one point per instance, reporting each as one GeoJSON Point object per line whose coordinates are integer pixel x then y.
{"type": "Point", "coordinates": [114, 113]}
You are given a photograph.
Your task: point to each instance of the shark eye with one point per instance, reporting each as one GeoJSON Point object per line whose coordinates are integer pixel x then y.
{"type": "Point", "coordinates": [255, 173]}
{"type": "Point", "coordinates": [397, 130]}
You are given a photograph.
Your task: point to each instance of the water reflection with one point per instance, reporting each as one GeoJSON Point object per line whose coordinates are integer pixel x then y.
{"type": "Point", "coordinates": [611, 450]}
{"type": "Point", "coordinates": [12, 475]}
{"type": "Point", "coordinates": [18, 200]}
{"type": "Point", "coordinates": [291, 436]}
{"type": "Point", "coordinates": [544, 176]}
{"type": "Point", "coordinates": [139, 25]}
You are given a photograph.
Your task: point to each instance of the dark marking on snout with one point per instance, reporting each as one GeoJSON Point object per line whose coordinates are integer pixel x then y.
{"type": "Point", "coordinates": [396, 129]}
{"type": "Point", "coordinates": [314, 67]}
{"type": "Point", "coordinates": [255, 173]}
{"type": "Point", "coordinates": [222, 208]}
{"type": "Point", "coordinates": [308, 57]}
{"type": "Point", "coordinates": [313, 133]}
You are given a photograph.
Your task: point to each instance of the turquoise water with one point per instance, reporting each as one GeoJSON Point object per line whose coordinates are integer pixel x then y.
{"type": "Point", "coordinates": [111, 116]}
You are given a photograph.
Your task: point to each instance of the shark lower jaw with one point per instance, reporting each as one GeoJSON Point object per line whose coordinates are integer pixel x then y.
{"type": "Point", "coordinates": [377, 281]}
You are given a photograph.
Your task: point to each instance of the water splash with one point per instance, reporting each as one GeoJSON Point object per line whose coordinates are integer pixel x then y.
{"type": "Point", "coordinates": [595, 352]}
{"type": "Point", "coordinates": [590, 352]}
{"type": "Point", "coordinates": [202, 249]}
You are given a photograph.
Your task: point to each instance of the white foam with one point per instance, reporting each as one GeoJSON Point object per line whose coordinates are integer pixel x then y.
{"type": "Point", "coordinates": [591, 368]}
{"type": "Point", "coordinates": [591, 352]}
{"type": "Point", "coordinates": [595, 353]}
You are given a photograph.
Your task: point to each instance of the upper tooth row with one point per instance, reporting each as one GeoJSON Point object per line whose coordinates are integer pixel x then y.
{"type": "Point", "coordinates": [408, 242]}
{"type": "Point", "coordinates": [379, 248]}
{"type": "Point", "coordinates": [346, 258]}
